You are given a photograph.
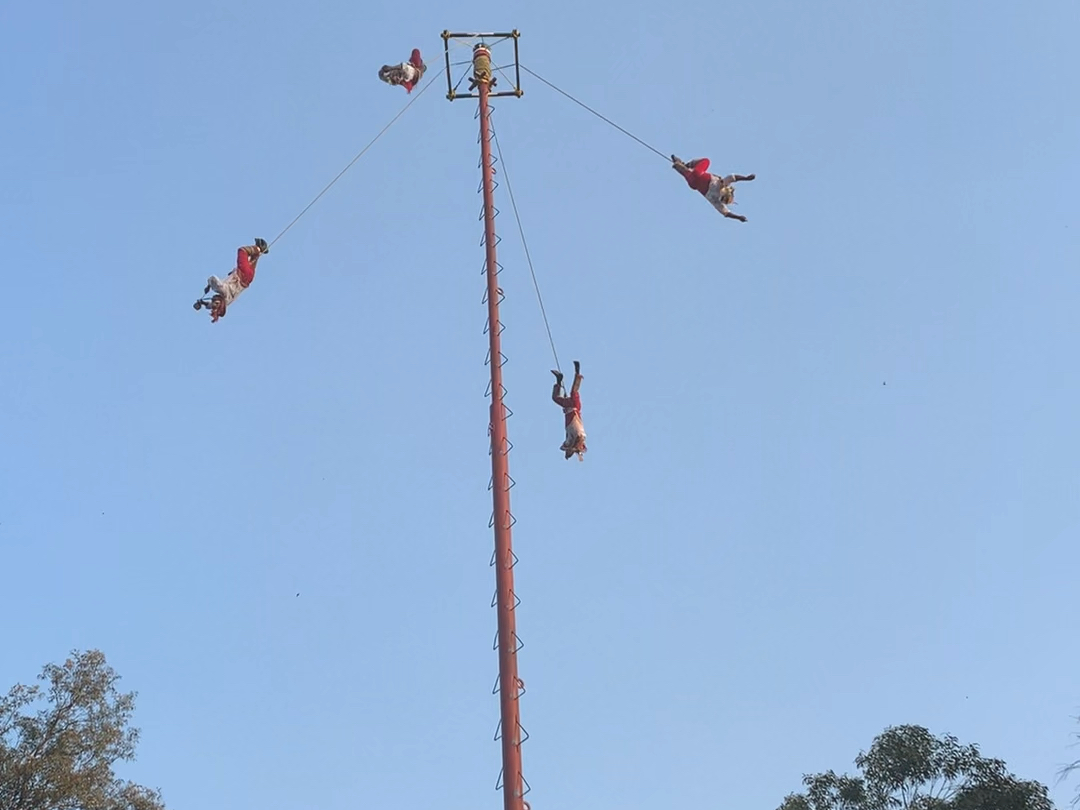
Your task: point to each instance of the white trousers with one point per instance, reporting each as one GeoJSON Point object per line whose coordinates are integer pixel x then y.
{"type": "Point", "coordinates": [229, 288]}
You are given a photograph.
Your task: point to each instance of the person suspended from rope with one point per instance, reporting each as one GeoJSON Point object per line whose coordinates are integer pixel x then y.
{"type": "Point", "coordinates": [407, 74]}
{"type": "Point", "coordinates": [228, 289]}
{"type": "Point", "coordinates": [571, 405]}
{"type": "Point", "coordinates": [720, 191]}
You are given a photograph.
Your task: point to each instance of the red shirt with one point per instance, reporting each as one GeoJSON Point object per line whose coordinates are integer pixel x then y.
{"type": "Point", "coordinates": [699, 177]}
{"type": "Point", "coordinates": [574, 409]}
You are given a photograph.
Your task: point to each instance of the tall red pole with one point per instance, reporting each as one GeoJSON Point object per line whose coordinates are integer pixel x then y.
{"type": "Point", "coordinates": [505, 601]}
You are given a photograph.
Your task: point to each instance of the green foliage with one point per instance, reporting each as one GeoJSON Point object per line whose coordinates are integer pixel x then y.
{"type": "Point", "coordinates": [59, 756]}
{"type": "Point", "coordinates": [907, 768]}
{"type": "Point", "coordinates": [1068, 771]}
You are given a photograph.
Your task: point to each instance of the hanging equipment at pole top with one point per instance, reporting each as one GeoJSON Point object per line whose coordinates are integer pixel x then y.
{"type": "Point", "coordinates": [481, 68]}
{"type": "Point", "coordinates": [488, 59]}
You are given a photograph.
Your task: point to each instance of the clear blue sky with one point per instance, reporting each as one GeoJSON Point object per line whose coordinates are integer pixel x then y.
{"type": "Point", "coordinates": [768, 556]}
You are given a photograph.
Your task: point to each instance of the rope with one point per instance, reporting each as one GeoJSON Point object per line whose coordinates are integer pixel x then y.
{"type": "Point", "coordinates": [459, 81]}
{"type": "Point", "coordinates": [361, 154]}
{"type": "Point", "coordinates": [598, 115]}
{"type": "Point", "coordinates": [525, 244]}
{"type": "Point", "coordinates": [502, 73]}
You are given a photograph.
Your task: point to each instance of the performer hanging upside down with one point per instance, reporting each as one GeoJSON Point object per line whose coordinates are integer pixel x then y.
{"type": "Point", "coordinates": [719, 191]}
{"type": "Point", "coordinates": [571, 405]}
{"type": "Point", "coordinates": [407, 74]}
{"type": "Point", "coordinates": [228, 289]}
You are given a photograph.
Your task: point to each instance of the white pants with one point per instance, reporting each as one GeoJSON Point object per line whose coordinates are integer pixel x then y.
{"type": "Point", "coordinates": [398, 74]}
{"type": "Point", "coordinates": [229, 288]}
{"type": "Point", "coordinates": [721, 192]}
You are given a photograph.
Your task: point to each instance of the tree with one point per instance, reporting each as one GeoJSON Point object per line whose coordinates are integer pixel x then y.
{"type": "Point", "coordinates": [907, 768]}
{"type": "Point", "coordinates": [59, 755]}
{"type": "Point", "coordinates": [1069, 770]}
